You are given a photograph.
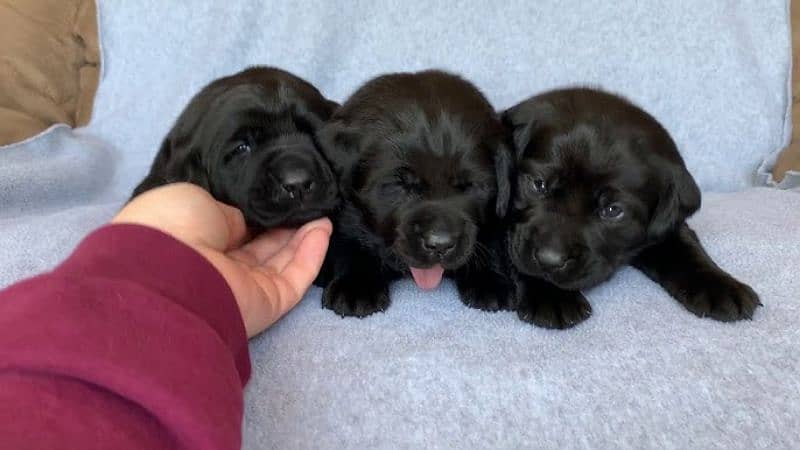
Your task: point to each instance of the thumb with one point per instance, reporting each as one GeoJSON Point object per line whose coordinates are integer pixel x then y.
{"type": "Point", "coordinates": [299, 263]}
{"type": "Point", "coordinates": [304, 267]}
{"type": "Point", "coordinates": [236, 227]}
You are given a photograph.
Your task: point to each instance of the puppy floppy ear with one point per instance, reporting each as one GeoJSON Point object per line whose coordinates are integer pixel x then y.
{"type": "Point", "coordinates": [340, 146]}
{"type": "Point", "coordinates": [313, 114]}
{"type": "Point", "coordinates": [330, 107]}
{"type": "Point", "coordinates": [678, 199]}
{"type": "Point", "coordinates": [503, 167]}
{"type": "Point", "coordinates": [520, 132]}
{"type": "Point", "coordinates": [527, 121]}
{"type": "Point", "coordinates": [173, 165]}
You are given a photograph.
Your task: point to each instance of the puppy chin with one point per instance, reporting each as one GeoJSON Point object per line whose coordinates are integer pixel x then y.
{"type": "Point", "coordinates": [291, 216]}
{"type": "Point", "coordinates": [568, 281]}
{"type": "Point", "coordinates": [572, 284]}
{"type": "Point", "coordinates": [273, 212]}
{"type": "Point", "coordinates": [447, 263]}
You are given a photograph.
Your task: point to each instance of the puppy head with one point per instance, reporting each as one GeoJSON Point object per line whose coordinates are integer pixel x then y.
{"type": "Point", "coordinates": [423, 158]}
{"type": "Point", "coordinates": [598, 179]}
{"type": "Point", "coordinates": [249, 140]}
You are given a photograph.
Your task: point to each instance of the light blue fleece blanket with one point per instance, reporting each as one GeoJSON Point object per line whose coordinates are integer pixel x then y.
{"type": "Point", "coordinates": [430, 373]}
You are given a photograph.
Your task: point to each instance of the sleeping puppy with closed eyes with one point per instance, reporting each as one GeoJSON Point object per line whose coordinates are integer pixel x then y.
{"type": "Point", "coordinates": [423, 164]}
{"type": "Point", "coordinates": [249, 140]}
{"type": "Point", "coordinates": [600, 184]}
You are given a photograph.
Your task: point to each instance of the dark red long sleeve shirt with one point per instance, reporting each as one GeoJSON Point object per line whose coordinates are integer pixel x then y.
{"type": "Point", "coordinates": [134, 342]}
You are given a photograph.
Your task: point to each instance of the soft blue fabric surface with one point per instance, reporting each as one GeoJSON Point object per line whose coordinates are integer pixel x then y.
{"type": "Point", "coordinates": [430, 373]}
{"type": "Point", "coordinates": [642, 372]}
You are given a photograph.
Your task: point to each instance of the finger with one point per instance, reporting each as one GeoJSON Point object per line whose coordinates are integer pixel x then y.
{"type": "Point", "coordinates": [237, 228]}
{"type": "Point", "coordinates": [279, 260]}
{"type": "Point", "coordinates": [282, 291]}
{"type": "Point", "coordinates": [304, 267]}
{"type": "Point", "coordinates": [288, 288]}
{"type": "Point", "coordinates": [264, 246]}
{"type": "Point", "coordinates": [268, 244]}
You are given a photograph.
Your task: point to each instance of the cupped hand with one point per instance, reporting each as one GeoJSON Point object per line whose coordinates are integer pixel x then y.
{"type": "Point", "coordinates": [268, 274]}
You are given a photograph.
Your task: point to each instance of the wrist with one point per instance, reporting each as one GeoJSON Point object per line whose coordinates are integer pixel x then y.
{"type": "Point", "coordinates": [169, 267]}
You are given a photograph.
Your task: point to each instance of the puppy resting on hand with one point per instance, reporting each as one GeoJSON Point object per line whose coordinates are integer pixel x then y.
{"type": "Point", "coordinates": [249, 140]}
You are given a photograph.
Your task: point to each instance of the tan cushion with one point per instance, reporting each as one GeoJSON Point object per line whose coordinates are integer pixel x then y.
{"type": "Point", "coordinates": [789, 159]}
{"type": "Point", "coordinates": [49, 65]}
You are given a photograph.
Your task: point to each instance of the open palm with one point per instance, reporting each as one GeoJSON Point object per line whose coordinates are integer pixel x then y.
{"type": "Point", "coordinates": [268, 275]}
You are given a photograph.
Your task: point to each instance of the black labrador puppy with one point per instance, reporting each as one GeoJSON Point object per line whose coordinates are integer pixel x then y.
{"type": "Point", "coordinates": [423, 163]}
{"type": "Point", "coordinates": [249, 140]}
{"type": "Point", "coordinates": [600, 184]}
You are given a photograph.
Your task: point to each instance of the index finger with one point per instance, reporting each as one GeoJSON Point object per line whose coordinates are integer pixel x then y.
{"type": "Point", "coordinates": [306, 262]}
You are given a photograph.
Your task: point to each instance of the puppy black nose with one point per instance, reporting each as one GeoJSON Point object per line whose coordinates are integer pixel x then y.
{"type": "Point", "coordinates": [297, 182]}
{"type": "Point", "coordinates": [552, 258]}
{"type": "Point", "coordinates": [440, 242]}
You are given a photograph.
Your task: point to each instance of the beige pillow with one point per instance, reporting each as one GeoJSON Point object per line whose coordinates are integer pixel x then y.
{"type": "Point", "coordinates": [49, 65]}
{"type": "Point", "coordinates": [789, 159]}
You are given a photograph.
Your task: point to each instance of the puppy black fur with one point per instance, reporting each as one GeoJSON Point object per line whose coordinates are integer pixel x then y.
{"type": "Point", "coordinates": [249, 140]}
{"type": "Point", "coordinates": [600, 184]}
{"type": "Point", "coordinates": [423, 164]}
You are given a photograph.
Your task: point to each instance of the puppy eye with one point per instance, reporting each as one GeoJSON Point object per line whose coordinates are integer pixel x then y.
{"type": "Point", "coordinates": [539, 185]}
{"type": "Point", "coordinates": [242, 148]}
{"type": "Point", "coordinates": [612, 212]}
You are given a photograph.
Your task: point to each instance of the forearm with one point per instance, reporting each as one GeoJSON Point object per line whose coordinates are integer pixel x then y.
{"type": "Point", "coordinates": [134, 342]}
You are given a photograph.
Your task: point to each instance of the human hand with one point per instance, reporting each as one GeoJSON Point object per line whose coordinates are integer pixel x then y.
{"type": "Point", "coordinates": [268, 275]}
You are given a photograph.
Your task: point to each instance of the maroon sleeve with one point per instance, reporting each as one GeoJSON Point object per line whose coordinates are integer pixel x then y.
{"type": "Point", "coordinates": [135, 342]}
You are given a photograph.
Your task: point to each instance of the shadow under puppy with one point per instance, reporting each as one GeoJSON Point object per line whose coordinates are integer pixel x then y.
{"type": "Point", "coordinates": [249, 140]}
{"type": "Point", "coordinates": [600, 184]}
{"type": "Point", "coordinates": [423, 166]}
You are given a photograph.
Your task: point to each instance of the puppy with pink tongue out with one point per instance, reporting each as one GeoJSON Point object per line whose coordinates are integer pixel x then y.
{"type": "Point", "coordinates": [423, 165]}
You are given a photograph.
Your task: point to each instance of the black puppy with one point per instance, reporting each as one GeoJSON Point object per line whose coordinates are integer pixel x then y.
{"type": "Point", "coordinates": [601, 184]}
{"type": "Point", "coordinates": [249, 140]}
{"type": "Point", "coordinates": [423, 166]}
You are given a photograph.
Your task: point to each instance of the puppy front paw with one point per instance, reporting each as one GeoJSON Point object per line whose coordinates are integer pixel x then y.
{"type": "Point", "coordinates": [720, 297]}
{"type": "Point", "coordinates": [350, 295]}
{"type": "Point", "coordinates": [491, 292]}
{"type": "Point", "coordinates": [554, 308]}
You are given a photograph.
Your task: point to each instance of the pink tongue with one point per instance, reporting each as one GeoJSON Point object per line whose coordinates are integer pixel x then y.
{"type": "Point", "coordinates": [428, 278]}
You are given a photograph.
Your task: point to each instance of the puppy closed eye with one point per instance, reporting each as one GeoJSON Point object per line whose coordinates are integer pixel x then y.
{"type": "Point", "coordinates": [463, 185]}
{"type": "Point", "coordinates": [466, 185]}
{"type": "Point", "coordinates": [612, 212]}
{"type": "Point", "coordinates": [403, 182]}
{"type": "Point", "coordinates": [392, 188]}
